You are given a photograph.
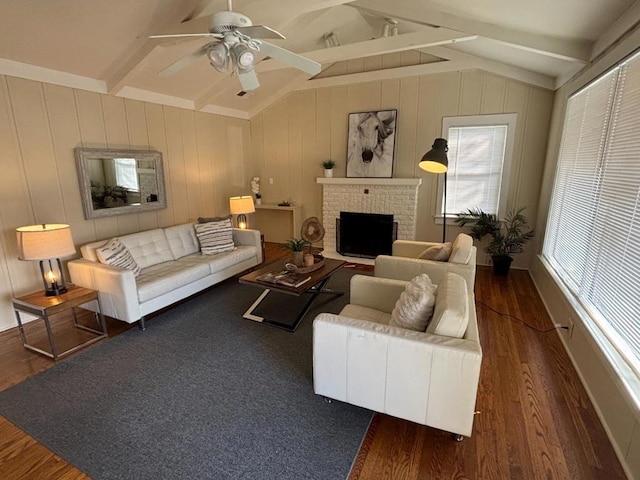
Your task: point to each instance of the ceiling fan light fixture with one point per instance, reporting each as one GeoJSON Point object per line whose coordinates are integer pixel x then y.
{"type": "Point", "coordinates": [244, 57]}
{"type": "Point", "coordinates": [218, 56]}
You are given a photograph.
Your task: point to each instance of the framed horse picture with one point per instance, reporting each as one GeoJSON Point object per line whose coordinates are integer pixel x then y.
{"type": "Point", "coordinates": [371, 143]}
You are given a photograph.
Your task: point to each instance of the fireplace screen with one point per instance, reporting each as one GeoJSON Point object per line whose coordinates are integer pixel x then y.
{"type": "Point", "coordinates": [365, 235]}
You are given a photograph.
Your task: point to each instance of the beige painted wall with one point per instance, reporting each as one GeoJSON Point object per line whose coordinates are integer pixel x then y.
{"type": "Point", "coordinates": [292, 137]}
{"type": "Point", "coordinates": [619, 413]}
{"type": "Point", "coordinates": [205, 160]}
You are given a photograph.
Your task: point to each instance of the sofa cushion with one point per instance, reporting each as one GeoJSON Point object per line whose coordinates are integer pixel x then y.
{"type": "Point", "coordinates": [414, 308]}
{"type": "Point", "coordinates": [116, 254]}
{"type": "Point", "coordinates": [440, 252]}
{"type": "Point", "coordinates": [217, 263]}
{"type": "Point", "coordinates": [182, 240]}
{"type": "Point", "coordinates": [166, 277]}
{"type": "Point", "coordinates": [215, 237]}
{"type": "Point", "coordinates": [148, 248]}
{"type": "Point", "coordinates": [451, 312]}
{"type": "Point", "coordinates": [461, 249]}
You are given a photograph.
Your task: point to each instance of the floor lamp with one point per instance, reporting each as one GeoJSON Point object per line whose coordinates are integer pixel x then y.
{"type": "Point", "coordinates": [436, 161]}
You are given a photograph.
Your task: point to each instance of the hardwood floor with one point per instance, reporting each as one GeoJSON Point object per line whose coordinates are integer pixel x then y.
{"type": "Point", "coordinates": [534, 418]}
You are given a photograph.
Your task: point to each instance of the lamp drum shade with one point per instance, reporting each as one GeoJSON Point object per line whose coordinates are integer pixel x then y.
{"type": "Point", "coordinates": [241, 205]}
{"type": "Point", "coordinates": [435, 160]}
{"type": "Point", "coordinates": [42, 242]}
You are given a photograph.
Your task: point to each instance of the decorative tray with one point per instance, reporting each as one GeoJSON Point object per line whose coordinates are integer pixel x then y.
{"type": "Point", "coordinates": [318, 262]}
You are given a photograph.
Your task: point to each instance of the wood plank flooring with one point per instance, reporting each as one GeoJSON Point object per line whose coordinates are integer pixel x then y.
{"type": "Point", "coordinates": [534, 418]}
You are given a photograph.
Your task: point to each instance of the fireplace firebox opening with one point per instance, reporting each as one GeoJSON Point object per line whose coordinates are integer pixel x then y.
{"type": "Point", "coordinates": [365, 235]}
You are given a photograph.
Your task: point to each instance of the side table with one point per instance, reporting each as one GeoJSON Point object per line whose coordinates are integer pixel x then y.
{"type": "Point", "coordinates": [41, 306]}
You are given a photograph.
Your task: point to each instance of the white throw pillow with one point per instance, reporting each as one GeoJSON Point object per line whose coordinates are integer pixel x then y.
{"type": "Point", "coordinates": [116, 254]}
{"type": "Point", "coordinates": [414, 308]}
{"type": "Point", "coordinates": [215, 237]}
{"type": "Point", "coordinates": [440, 252]}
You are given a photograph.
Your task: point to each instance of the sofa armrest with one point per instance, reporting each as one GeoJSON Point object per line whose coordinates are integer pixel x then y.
{"type": "Point", "coordinates": [248, 237]}
{"type": "Point", "coordinates": [116, 288]}
{"type": "Point", "coordinates": [402, 268]}
{"type": "Point", "coordinates": [424, 378]}
{"type": "Point", "coordinates": [377, 293]}
{"type": "Point", "coordinates": [410, 248]}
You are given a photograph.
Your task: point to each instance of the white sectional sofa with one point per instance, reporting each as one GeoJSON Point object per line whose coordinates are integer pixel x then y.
{"type": "Point", "coordinates": [426, 377]}
{"type": "Point", "coordinates": [172, 268]}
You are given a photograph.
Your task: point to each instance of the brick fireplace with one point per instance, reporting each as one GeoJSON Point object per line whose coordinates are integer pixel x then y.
{"type": "Point", "coordinates": [396, 196]}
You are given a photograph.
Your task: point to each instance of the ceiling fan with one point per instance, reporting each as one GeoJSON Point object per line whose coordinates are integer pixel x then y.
{"type": "Point", "coordinates": [237, 42]}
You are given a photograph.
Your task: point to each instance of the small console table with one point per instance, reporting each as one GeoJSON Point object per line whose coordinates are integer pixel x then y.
{"type": "Point", "coordinates": [278, 224]}
{"type": "Point", "coordinates": [44, 307]}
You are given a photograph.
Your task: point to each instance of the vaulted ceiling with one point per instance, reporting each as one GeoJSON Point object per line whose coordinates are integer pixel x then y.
{"type": "Point", "coordinates": [104, 45]}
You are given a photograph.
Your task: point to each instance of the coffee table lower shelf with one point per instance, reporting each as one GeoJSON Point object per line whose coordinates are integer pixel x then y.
{"type": "Point", "coordinates": [315, 287]}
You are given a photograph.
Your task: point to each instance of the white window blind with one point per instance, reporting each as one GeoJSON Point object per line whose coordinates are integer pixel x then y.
{"type": "Point", "coordinates": [479, 157]}
{"type": "Point", "coordinates": [593, 230]}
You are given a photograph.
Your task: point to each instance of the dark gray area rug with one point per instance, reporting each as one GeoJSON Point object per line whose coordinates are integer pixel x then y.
{"type": "Point", "coordinates": [201, 394]}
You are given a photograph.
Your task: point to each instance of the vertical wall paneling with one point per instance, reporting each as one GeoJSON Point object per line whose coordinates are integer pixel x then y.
{"type": "Point", "coordinates": [338, 128]}
{"type": "Point", "coordinates": [41, 124]}
{"type": "Point", "coordinates": [309, 190]}
{"type": "Point", "coordinates": [158, 141]}
{"type": "Point", "coordinates": [296, 160]}
{"type": "Point", "coordinates": [422, 102]}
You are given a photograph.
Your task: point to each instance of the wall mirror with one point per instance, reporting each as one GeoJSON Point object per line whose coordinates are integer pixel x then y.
{"type": "Point", "coordinates": [118, 182]}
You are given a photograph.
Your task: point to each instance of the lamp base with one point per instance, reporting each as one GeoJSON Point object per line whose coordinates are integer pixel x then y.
{"type": "Point", "coordinates": [55, 292]}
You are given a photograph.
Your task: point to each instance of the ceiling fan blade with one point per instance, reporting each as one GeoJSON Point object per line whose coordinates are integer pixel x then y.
{"type": "Point", "coordinates": [248, 80]}
{"type": "Point", "coordinates": [260, 31]}
{"type": "Point", "coordinates": [187, 35]}
{"type": "Point", "coordinates": [290, 58]}
{"type": "Point", "coordinates": [178, 65]}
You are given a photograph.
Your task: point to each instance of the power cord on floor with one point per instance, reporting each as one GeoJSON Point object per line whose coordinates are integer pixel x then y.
{"type": "Point", "coordinates": [522, 321]}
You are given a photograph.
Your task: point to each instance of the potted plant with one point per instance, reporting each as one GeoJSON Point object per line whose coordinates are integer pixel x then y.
{"type": "Point", "coordinates": [328, 168]}
{"type": "Point", "coordinates": [296, 245]}
{"type": "Point", "coordinates": [255, 188]}
{"type": "Point", "coordinates": [508, 236]}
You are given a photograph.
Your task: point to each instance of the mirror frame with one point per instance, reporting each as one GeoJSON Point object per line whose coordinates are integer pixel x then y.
{"type": "Point", "coordinates": [85, 155]}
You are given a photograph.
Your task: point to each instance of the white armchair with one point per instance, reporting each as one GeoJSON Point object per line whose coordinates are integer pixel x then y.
{"type": "Point", "coordinates": [423, 377]}
{"type": "Point", "coordinates": [404, 264]}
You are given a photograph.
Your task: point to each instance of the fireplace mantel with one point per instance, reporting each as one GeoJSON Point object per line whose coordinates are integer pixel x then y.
{"type": "Point", "coordinates": [369, 181]}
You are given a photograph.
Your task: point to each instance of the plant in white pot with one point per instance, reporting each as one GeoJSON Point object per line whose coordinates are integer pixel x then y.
{"type": "Point", "coordinates": [255, 188]}
{"type": "Point", "coordinates": [508, 236]}
{"type": "Point", "coordinates": [328, 168]}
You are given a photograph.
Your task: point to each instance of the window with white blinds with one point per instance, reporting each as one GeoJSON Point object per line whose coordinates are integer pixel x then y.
{"type": "Point", "coordinates": [479, 157]}
{"type": "Point", "coordinates": [593, 229]}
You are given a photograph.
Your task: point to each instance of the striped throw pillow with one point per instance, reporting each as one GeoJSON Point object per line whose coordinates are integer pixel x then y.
{"type": "Point", "coordinates": [114, 253]}
{"type": "Point", "coordinates": [215, 237]}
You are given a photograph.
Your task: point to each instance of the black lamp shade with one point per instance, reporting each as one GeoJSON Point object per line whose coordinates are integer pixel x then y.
{"type": "Point", "coordinates": [435, 160]}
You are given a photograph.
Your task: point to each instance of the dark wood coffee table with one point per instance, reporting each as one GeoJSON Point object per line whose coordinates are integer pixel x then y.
{"type": "Point", "coordinates": [313, 287]}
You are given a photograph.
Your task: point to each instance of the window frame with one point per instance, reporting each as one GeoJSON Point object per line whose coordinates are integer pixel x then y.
{"type": "Point", "coordinates": [488, 120]}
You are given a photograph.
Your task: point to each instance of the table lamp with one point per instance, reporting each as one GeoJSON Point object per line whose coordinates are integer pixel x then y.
{"type": "Point", "coordinates": [240, 206]}
{"type": "Point", "coordinates": [436, 161]}
{"type": "Point", "coordinates": [47, 243]}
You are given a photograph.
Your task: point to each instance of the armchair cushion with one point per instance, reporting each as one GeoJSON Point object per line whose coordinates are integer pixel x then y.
{"type": "Point", "coordinates": [440, 252]}
{"type": "Point", "coordinates": [451, 312]}
{"type": "Point", "coordinates": [414, 308]}
{"type": "Point", "coordinates": [461, 249]}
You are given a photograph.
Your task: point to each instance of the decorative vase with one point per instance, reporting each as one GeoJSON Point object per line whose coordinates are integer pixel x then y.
{"type": "Point", "coordinates": [297, 258]}
{"type": "Point", "coordinates": [501, 264]}
{"type": "Point", "coordinates": [328, 172]}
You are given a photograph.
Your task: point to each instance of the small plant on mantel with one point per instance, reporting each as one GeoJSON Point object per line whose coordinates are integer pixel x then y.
{"type": "Point", "coordinates": [328, 168]}
{"type": "Point", "coordinates": [328, 164]}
